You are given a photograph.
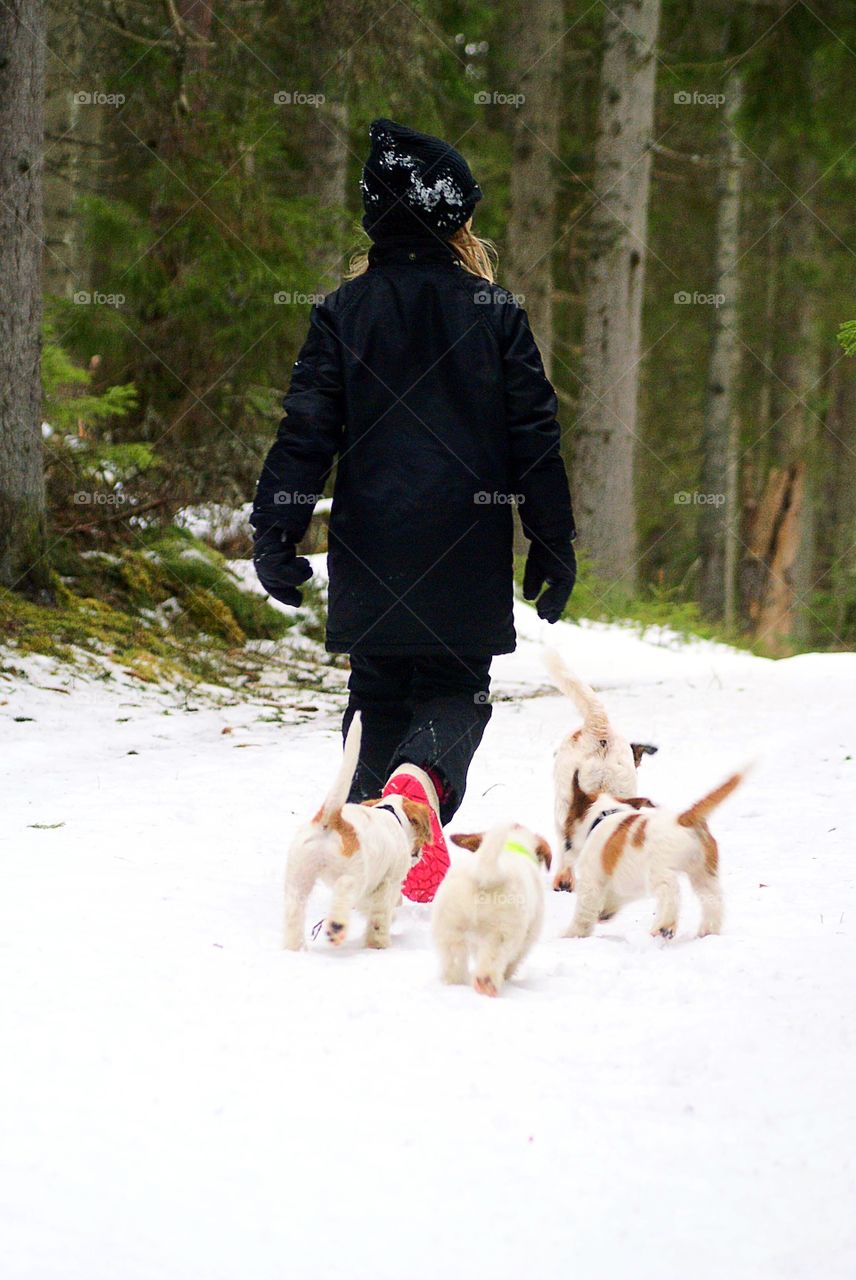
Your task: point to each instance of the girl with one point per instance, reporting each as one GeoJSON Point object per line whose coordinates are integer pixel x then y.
{"type": "Point", "coordinates": [422, 377]}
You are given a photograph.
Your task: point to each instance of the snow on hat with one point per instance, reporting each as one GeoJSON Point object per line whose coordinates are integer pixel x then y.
{"type": "Point", "coordinates": [413, 182]}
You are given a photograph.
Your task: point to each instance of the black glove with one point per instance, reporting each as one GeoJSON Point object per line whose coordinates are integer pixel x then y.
{"type": "Point", "coordinates": [559, 573]}
{"type": "Point", "coordinates": [278, 567]}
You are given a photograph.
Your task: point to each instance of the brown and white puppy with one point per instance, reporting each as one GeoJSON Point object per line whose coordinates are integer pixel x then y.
{"type": "Point", "coordinates": [603, 759]}
{"type": "Point", "coordinates": [489, 909]}
{"type": "Point", "coordinates": [628, 849]}
{"type": "Point", "coordinates": [363, 851]}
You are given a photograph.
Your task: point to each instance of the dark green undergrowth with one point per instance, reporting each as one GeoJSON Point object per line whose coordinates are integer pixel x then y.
{"type": "Point", "coordinates": [652, 606]}
{"type": "Point", "coordinates": [168, 607]}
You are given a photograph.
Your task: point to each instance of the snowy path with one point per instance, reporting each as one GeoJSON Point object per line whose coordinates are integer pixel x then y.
{"type": "Point", "coordinates": [180, 1098]}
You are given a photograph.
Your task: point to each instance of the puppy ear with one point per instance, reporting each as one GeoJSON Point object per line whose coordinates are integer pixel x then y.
{"type": "Point", "coordinates": [419, 817]}
{"type": "Point", "coordinates": [543, 852]}
{"type": "Point", "coordinates": [641, 749]}
{"type": "Point", "coordinates": [470, 842]}
{"type": "Point", "coordinates": [639, 802]}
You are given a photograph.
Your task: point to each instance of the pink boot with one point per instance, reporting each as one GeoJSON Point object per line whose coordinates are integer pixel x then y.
{"type": "Point", "coordinates": [423, 879]}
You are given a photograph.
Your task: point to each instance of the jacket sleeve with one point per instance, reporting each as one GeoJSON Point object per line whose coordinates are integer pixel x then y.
{"type": "Point", "coordinates": [538, 473]}
{"type": "Point", "coordinates": [309, 436]}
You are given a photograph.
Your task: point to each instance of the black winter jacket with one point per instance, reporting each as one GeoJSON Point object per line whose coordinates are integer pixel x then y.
{"type": "Point", "coordinates": [427, 384]}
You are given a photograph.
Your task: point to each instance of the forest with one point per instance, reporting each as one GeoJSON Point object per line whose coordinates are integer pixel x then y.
{"type": "Point", "coordinates": [413, 889]}
{"type": "Point", "coordinates": [669, 187]}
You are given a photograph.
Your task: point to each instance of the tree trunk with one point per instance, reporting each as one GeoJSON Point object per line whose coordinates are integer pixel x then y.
{"type": "Point", "coordinates": [73, 131]}
{"type": "Point", "coordinates": [603, 471]}
{"type": "Point", "coordinates": [535, 43]}
{"type": "Point", "coordinates": [733, 536]}
{"type": "Point", "coordinates": [22, 489]}
{"type": "Point", "coordinates": [191, 32]}
{"type": "Point", "coordinates": [837, 511]}
{"type": "Point", "coordinates": [717, 513]}
{"type": "Point", "coordinates": [195, 23]}
{"type": "Point", "coordinates": [774, 567]}
{"type": "Point", "coordinates": [327, 147]}
{"type": "Point", "coordinates": [328, 153]}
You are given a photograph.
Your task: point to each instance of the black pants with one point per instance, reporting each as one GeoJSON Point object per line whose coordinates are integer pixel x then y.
{"type": "Point", "coordinates": [429, 711]}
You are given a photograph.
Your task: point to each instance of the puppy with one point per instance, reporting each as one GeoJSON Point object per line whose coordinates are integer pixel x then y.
{"type": "Point", "coordinates": [629, 849]}
{"type": "Point", "coordinates": [363, 851]}
{"type": "Point", "coordinates": [490, 909]}
{"type": "Point", "coordinates": [604, 760]}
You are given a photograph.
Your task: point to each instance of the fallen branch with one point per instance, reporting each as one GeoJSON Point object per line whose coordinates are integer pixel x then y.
{"type": "Point", "coordinates": [92, 525]}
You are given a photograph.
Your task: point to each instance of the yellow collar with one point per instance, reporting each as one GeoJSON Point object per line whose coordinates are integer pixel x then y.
{"type": "Point", "coordinates": [514, 846]}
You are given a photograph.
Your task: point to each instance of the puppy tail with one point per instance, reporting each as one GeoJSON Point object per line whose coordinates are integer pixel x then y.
{"type": "Point", "coordinates": [338, 794]}
{"type": "Point", "coordinates": [584, 698]}
{"type": "Point", "coordinates": [487, 856]}
{"type": "Point", "coordinates": [698, 813]}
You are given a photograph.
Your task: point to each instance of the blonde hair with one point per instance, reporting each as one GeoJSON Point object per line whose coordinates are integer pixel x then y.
{"type": "Point", "coordinates": [476, 255]}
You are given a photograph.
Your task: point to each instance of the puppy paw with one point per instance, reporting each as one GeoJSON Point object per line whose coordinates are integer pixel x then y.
{"type": "Point", "coordinates": [485, 986]}
{"type": "Point", "coordinates": [377, 941]}
{"type": "Point", "coordinates": [665, 931]}
{"type": "Point", "coordinates": [576, 932]}
{"type": "Point", "coordinates": [335, 931]}
{"type": "Point", "coordinates": [563, 881]}
{"type": "Point", "coordinates": [606, 915]}
{"type": "Point", "coordinates": [454, 977]}
{"type": "Point", "coordinates": [294, 944]}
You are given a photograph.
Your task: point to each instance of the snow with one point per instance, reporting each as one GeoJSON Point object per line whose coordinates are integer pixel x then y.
{"type": "Point", "coordinates": [181, 1098]}
{"type": "Point", "coordinates": [216, 522]}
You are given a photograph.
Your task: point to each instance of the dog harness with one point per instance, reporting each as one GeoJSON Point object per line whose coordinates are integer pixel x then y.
{"type": "Point", "coordinates": [514, 846]}
{"type": "Point", "coordinates": [607, 813]}
{"type": "Point", "coordinates": [389, 809]}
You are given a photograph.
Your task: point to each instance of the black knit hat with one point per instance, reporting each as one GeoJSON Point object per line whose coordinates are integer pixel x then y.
{"type": "Point", "coordinates": [414, 183]}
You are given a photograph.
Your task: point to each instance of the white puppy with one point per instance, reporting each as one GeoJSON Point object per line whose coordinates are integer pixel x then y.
{"type": "Point", "coordinates": [603, 759]}
{"type": "Point", "coordinates": [629, 849]}
{"type": "Point", "coordinates": [363, 851]}
{"type": "Point", "coordinates": [490, 908]}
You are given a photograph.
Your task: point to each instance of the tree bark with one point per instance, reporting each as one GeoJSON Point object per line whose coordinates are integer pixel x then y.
{"type": "Point", "coordinates": [195, 20]}
{"type": "Point", "coordinates": [775, 567]}
{"type": "Point", "coordinates": [718, 516]}
{"type": "Point", "coordinates": [71, 128]}
{"type": "Point", "coordinates": [536, 46]}
{"type": "Point", "coordinates": [327, 145]}
{"type": "Point", "coordinates": [328, 152]}
{"type": "Point", "coordinates": [22, 489]}
{"type": "Point", "coordinates": [837, 511]}
{"type": "Point", "coordinates": [604, 467]}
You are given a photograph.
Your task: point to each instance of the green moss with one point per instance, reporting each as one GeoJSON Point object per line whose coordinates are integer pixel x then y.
{"type": "Point", "coordinates": [144, 584]}
{"type": "Point", "coordinates": [191, 568]}
{"type": "Point", "coordinates": [169, 609]}
{"type": "Point", "coordinates": [210, 615]}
